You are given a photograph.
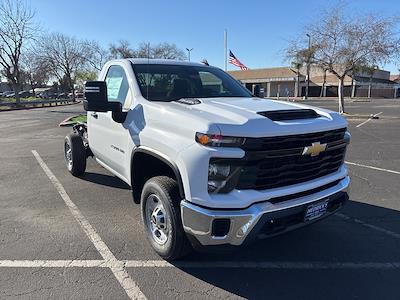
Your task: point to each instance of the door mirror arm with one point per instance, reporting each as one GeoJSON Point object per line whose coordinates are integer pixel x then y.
{"type": "Point", "coordinates": [119, 116]}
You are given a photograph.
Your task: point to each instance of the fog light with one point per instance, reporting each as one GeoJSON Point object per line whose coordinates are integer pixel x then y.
{"type": "Point", "coordinates": [220, 227]}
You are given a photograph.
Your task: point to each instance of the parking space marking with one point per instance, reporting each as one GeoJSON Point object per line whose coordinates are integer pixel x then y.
{"type": "Point", "coordinates": [372, 167]}
{"type": "Point", "coordinates": [366, 121]}
{"type": "Point", "coordinates": [377, 228]}
{"type": "Point", "coordinates": [53, 263]}
{"type": "Point", "coordinates": [262, 265]}
{"type": "Point", "coordinates": [318, 265]}
{"type": "Point", "coordinates": [117, 267]}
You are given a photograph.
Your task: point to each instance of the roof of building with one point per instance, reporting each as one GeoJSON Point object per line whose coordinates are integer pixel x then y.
{"type": "Point", "coordinates": [280, 72]}
{"type": "Point", "coordinates": [395, 77]}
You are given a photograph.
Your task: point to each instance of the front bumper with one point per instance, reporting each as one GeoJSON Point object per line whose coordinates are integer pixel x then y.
{"type": "Point", "coordinates": [262, 219]}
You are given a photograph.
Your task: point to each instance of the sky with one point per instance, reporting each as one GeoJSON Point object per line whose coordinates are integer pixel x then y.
{"type": "Point", "coordinates": [258, 30]}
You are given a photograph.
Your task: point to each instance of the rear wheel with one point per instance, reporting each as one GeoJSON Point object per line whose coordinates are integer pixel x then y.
{"type": "Point", "coordinates": [75, 154]}
{"type": "Point", "coordinates": [160, 204]}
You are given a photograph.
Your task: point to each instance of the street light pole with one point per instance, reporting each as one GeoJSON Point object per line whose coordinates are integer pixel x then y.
{"type": "Point", "coordinates": [189, 50]}
{"type": "Point", "coordinates": [308, 65]}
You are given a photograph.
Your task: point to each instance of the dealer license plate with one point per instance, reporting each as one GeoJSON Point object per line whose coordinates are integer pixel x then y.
{"type": "Point", "coordinates": [315, 211]}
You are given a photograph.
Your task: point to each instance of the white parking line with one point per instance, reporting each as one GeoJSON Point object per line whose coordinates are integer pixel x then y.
{"type": "Point", "coordinates": [53, 264]}
{"type": "Point", "coordinates": [262, 265]}
{"type": "Point", "coordinates": [372, 167]}
{"type": "Point", "coordinates": [366, 121]}
{"type": "Point", "coordinates": [117, 267]}
{"type": "Point", "coordinates": [380, 229]}
{"type": "Point", "coordinates": [200, 264]}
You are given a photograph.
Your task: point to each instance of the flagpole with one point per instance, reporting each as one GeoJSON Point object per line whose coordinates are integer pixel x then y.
{"type": "Point", "coordinates": [226, 49]}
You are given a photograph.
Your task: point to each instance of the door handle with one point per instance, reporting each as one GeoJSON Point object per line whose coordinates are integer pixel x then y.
{"type": "Point", "coordinates": [94, 115]}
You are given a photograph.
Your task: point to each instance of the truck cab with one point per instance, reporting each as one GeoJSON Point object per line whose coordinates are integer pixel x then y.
{"type": "Point", "coordinates": [210, 163]}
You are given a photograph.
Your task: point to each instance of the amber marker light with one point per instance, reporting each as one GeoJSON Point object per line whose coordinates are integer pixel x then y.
{"type": "Point", "coordinates": [216, 140]}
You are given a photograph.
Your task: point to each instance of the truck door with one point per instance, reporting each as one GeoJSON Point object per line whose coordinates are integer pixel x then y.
{"type": "Point", "coordinates": [108, 139]}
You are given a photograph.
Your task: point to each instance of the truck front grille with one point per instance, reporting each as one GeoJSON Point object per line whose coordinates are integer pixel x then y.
{"type": "Point", "coordinates": [273, 162]}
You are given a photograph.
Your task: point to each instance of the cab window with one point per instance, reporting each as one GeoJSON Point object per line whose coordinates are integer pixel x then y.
{"type": "Point", "coordinates": [117, 84]}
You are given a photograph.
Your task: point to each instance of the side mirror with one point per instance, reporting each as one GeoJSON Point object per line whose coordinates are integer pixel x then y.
{"type": "Point", "coordinates": [96, 96]}
{"type": "Point", "coordinates": [96, 99]}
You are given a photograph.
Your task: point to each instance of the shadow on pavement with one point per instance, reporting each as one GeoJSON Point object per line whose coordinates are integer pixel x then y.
{"type": "Point", "coordinates": [106, 180]}
{"type": "Point", "coordinates": [333, 240]}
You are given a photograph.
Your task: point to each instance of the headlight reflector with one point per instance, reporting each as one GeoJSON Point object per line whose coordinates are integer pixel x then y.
{"type": "Point", "coordinates": [223, 175]}
{"type": "Point", "coordinates": [217, 170]}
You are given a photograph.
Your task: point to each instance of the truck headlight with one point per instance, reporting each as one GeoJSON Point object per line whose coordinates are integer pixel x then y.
{"type": "Point", "coordinates": [223, 175]}
{"type": "Point", "coordinates": [217, 140]}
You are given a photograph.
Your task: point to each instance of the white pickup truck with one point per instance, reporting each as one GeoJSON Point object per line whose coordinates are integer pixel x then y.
{"type": "Point", "coordinates": [211, 164]}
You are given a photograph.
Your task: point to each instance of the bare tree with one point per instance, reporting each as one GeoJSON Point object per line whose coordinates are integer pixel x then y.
{"type": "Point", "coordinates": [121, 50]}
{"type": "Point", "coordinates": [95, 55]}
{"type": "Point", "coordinates": [296, 66]}
{"type": "Point", "coordinates": [146, 50]}
{"type": "Point", "coordinates": [65, 56]}
{"type": "Point", "coordinates": [36, 70]}
{"type": "Point", "coordinates": [323, 87]}
{"type": "Point", "coordinates": [17, 29]}
{"type": "Point", "coordinates": [166, 51]}
{"type": "Point", "coordinates": [341, 43]}
{"type": "Point", "coordinates": [298, 58]}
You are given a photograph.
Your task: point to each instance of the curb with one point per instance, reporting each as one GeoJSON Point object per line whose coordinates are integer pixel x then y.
{"type": "Point", "coordinates": [361, 117]}
{"type": "Point", "coordinates": [66, 122]}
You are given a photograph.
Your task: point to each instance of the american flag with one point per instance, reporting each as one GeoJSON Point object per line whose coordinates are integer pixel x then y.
{"type": "Point", "coordinates": [234, 61]}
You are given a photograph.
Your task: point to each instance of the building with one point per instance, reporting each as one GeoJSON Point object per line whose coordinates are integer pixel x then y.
{"type": "Point", "coordinates": [288, 82]}
{"type": "Point", "coordinates": [274, 82]}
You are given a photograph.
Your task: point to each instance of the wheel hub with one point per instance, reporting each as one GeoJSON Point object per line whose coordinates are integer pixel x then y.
{"type": "Point", "coordinates": [157, 219]}
{"type": "Point", "coordinates": [68, 154]}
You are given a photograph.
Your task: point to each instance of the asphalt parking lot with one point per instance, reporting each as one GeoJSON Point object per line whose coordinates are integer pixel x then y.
{"type": "Point", "coordinates": [65, 237]}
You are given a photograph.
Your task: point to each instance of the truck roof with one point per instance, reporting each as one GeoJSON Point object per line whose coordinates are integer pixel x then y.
{"type": "Point", "coordinates": [159, 61]}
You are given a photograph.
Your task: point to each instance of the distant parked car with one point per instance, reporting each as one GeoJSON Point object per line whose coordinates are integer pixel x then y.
{"type": "Point", "coordinates": [10, 95]}
{"type": "Point", "coordinates": [48, 95]}
{"type": "Point", "coordinates": [79, 95]}
{"type": "Point", "coordinates": [61, 96]}
{"type": "Point", "coordinates": [25, 94]}
{"type": "Point", "coordinates": [7, 93]}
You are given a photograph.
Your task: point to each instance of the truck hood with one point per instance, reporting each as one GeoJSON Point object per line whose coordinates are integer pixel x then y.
{"type": "Point", "coordinates": [240, 116]}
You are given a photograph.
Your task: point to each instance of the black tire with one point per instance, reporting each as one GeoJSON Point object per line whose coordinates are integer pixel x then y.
{"type": "Point", "coordinates": [166, 190]}
{"type": "Point", "coordinates": [75, 160]}
{"type": "Point", "coordinates": [135, 196]}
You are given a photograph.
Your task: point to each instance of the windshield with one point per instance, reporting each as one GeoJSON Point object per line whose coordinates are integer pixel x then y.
{"type": "Point", "coordinates": [159, 82]}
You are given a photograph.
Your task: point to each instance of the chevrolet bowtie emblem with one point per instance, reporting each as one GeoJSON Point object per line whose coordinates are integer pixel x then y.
{"type": "Point", "coordinates": [315, 149]}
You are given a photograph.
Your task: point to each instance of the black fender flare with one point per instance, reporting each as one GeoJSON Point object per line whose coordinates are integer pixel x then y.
{"type": "Point", "coordinates": [165, 160]}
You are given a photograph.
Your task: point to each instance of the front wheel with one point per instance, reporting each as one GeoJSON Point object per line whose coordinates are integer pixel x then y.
{"type": "Point", "coordinates": [75, 154]}
{"type": "Point", "coordinates": [160, 205]}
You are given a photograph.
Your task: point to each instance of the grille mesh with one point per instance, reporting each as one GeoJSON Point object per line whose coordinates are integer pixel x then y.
{"type": "Point", "coordinates": [278, 161]}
